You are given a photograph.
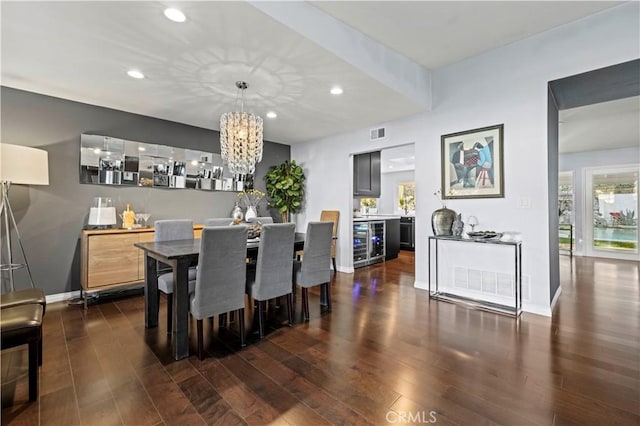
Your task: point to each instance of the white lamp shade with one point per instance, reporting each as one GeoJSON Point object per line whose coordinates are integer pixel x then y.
{"type": "Point", "coordinates": [102, 216]}
{"type": "Point", "coordinates": [23, 165]}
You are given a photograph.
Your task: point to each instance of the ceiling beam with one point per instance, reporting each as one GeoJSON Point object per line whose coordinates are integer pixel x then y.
{"type": "Point", "coordinates": [387, 66]}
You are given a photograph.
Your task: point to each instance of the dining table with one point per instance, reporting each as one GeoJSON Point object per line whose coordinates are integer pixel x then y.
{"type": "Point", "coordinates": [180, 255]}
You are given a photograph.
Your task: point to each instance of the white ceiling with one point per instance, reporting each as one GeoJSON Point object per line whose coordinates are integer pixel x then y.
{"type": "Point", "coordinates": [607, 125]}
{"type": "Point", "coordinates": [82, 51]}
{"type": "Point", "coordinates": [398, 159]}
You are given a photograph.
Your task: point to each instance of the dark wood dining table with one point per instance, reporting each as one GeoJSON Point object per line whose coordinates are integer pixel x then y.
{"type": "Point", "coordinates": [180, 254]}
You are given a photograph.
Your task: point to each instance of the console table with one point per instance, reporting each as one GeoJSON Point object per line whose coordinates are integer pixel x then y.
{"type": "Point", "coordinates": [109, 259]}
{"type": "Point", "coordinates": [436, 293]}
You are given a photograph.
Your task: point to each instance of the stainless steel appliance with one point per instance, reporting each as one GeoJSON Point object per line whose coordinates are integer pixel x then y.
{"type": "Point", "coordinates": [368, 243]}
{"type": "Point", "coordinates": [407, 233]}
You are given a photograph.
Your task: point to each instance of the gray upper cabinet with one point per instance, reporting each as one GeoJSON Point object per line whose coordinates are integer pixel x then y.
{"type": "Point", "coordinates": [366, 174]}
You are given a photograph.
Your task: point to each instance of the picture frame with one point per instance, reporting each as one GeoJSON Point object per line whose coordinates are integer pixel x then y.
{"type": "Point", "coordinates": [461, 154]}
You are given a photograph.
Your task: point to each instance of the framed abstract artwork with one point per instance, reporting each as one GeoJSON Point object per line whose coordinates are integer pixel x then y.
{"type": "Point", "coordinates": [472, 163]}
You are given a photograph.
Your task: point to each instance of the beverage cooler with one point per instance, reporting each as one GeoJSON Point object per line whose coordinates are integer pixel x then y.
{"type": "Point", "coordinates": [368, 243]}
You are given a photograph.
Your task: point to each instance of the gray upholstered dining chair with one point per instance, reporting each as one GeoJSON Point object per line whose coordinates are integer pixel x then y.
{"type": "Point", "coordinates": [264, 219]}
{"type": "Point", "coordinates": [221, 277]}
{"type": "Point", "coordinates": [315, 267]}
{"type": "Point", "coordinates": [218, 221]}
{"type": "Point", "coordinates": [271, 277]}
{"type": "Point", "coordinates": [167, 230]}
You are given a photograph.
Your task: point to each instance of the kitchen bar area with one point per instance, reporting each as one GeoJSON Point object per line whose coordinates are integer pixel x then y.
{"type": "Point", "coordinates": [383, 205]}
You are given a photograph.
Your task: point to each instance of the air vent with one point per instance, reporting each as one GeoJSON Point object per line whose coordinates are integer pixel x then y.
{"type": "Point", "coordinates": [377, 134]}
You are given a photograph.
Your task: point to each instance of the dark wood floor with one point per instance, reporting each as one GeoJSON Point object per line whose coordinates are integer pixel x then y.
{"type": "Point", "coordinates": [384, 351]}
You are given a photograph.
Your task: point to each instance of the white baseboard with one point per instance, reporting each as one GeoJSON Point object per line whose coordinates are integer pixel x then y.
{"type": "Point", "coordinates": [421, 285]}
{"type": "Point", "coordinates": [345, 269]}
{"type": "Point", "coordinates": [60, 297]}
{"type": "Point", "coordinates": [532, 309]}
{"type": "Point", "coordinates": [544, 311]}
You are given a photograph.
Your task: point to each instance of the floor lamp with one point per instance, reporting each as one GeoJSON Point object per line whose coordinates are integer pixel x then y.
{"type": "Point", "coordinates": [21, 165]}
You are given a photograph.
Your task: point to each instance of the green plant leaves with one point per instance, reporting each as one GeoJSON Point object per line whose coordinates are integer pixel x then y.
{"type": "Point", "coordinates": [285, 186]}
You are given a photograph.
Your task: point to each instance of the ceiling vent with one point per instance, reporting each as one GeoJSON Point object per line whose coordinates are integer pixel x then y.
{"type": "Point", "coordinates": [376, 134]}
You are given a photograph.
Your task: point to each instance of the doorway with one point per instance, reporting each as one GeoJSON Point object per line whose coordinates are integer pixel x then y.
{"type": "Point", "coordinates": [618, 81]}
{"type": "Point", "coordinates": [611, 212]}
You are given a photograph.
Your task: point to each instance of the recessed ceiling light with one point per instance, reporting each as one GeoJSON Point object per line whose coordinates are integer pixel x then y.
{"type": "Point", "coordinates": [175, 15]}
{"type": "Point", "coordinates": [96, 151]}
{"type": "Point", "coordinates": [336, 90]}
{"type": "Point", "coordinates": [142, 148]}
{"type": "Point", "coordinates": [135, 74]}
{"type": "Point", "coordinates": [271, 114]}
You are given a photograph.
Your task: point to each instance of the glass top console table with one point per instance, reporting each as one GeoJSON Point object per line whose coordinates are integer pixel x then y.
{"type": "Point", "coordinates": [476, 299]}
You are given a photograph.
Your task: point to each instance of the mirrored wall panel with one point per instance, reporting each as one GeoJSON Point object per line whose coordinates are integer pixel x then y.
{"type": "Point", "coordinates": [111, 161]}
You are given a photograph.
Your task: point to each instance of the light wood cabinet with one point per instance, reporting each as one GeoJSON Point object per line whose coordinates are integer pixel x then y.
{"type": "Point", "coordinates": [109, 258]}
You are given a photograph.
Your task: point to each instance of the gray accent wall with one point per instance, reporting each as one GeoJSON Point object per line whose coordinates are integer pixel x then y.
{"type": "Point", "coordinates": [552, 158]}
{"type": "Point", "coordinates": [51, 218]}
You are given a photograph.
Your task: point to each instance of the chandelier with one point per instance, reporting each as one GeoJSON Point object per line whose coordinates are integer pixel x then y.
{"type": "Point", "coordinates": [241, 137]}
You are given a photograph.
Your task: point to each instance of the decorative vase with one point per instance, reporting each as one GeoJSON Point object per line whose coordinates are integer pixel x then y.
{"type": "Point", "coordinates": [236, 213]}
{"type": "Point", "coordinates": [251, 214]}
{"type": "Point", "coordinates": [442, 221]}
{"type": "Point", "coordinates": [458, 226]}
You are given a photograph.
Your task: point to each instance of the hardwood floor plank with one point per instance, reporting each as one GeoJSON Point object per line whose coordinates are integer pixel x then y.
{"type": "Point", "coordinates": [238, 395]}
{"type": "Point", "coordinates": [181, 370]}
{"type": "Point", "coordinates": [100, 413]}
{"type": "Point", "coordinates": [315, 398]}
{"type": "Point", "coordinates": [134, 404]}
{"type": "Point", "coordinates": [288, 408]}
{"type": "Point", "coordinates": [202, 396]}
{"type": "Point", "coordinates": [59, 408]}
{"type": "Point", "coordinates": [169, 400]}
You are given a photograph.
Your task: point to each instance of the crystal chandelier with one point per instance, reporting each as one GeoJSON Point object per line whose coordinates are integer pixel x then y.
{"type": "Point", "coordinates": [241, 137]}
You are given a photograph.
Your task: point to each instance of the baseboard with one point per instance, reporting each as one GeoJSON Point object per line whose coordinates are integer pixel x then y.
{"type": "Point", "coordinates": [345, 269]}
{"type": "Point", "coordinates": [421, 285]}
{"type": "Point", "coordinates": [544, 311]}
{"type": "Point", "coordinates": [60, 297]}
{"type": "Point", "coordinates": [555, 298]}
{"type": "Point", "coordinates": [532, 309]}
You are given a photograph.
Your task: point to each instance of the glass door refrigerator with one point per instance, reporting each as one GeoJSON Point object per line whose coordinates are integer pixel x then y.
{"type": "Point", "coordinates": [368, 243]}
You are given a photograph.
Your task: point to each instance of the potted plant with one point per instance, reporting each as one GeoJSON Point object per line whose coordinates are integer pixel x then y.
{"type": "Point", "coordinates": [285, 186]}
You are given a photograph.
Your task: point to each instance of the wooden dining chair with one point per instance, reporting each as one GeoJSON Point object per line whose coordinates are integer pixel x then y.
{"type": "Point", "coordinates": [219, 286]}
{"type": "Point", "coordinates": [314, 268]}
{"type": "Point", "coordinates": [271, 276]}
{"type": "Point", "coordinates": [334, 217]}
{"type": "Point", "coordinates": [167, 230]}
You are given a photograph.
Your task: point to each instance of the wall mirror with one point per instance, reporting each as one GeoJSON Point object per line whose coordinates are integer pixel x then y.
{"type": "Point", "coordinates": [111, 161]}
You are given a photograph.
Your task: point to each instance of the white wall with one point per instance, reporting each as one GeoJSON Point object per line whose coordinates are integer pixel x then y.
{"type": "Point", "coordinates": [576, 163]}
{"type": "Point", "coordinates": [506, 85]}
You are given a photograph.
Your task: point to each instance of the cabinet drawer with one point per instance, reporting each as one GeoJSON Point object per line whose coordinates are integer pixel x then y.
{"type": "Point", "coordinates": [113, 259]}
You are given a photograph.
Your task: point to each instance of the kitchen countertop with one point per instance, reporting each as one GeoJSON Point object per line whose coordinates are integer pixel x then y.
{"type": "Point", "coordinates": [376, 217]}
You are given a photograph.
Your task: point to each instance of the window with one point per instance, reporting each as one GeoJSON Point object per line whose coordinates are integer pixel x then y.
{"type": "Point", "coordinates": [407, 197]}
{"type": "Point", "coordinates": [565, 211]}
{"type": "Point", "coordinates": [614, 207]}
